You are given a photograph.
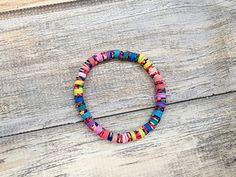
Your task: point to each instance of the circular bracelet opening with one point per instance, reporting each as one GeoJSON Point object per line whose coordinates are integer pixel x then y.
{"type": "Point", "coordinates": [160, 96]}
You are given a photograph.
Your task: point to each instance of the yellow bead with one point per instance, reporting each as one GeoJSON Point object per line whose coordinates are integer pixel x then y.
{"type": "Point", "coordinates": [133, 135]}
{"type": "Point", "coordinates": [81, 112]}
{"type": "Point", "coordinates": [147, 64]}
{"type": "Point", "coordinates": [78, 90]}
{"type": "Point", "coordinates": [141, 132]}
{"type": "Point", "coordinates": [141, 58]}
{"type": "Point", "coordinates": [93, 127]}
{"type": "Point", "coordinates": [79, 82]}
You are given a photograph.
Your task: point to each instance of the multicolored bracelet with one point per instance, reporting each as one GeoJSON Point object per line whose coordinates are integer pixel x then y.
{"type": "Point", "coordinates": [86, 115]}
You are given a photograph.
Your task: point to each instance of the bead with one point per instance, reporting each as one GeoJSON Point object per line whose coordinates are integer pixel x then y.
{"type": "Point", "coordinates": [157, 113]}
{"type": "Point", "coordinates": [114, 138]}
{"type": "Point", "coordinates": [108, 54]}
{"type": "Point", "coordinates": [161, 104]}
{"type": "Point", "coordinates": [99, 57]}
{"type": "Point", "coordinates": [98, 129]}
{"type": "Point", "coordinates": [128, 136]}
{"type": "Point", "coordinates": [88, 64]}
{"type": "Point", "coordinates": [154, 121]}
{"type": "Point", "coordinates": [110, 135]}
{"type": "Point", "coordinates": [112, 53]}
{"type": "Point", "coordinates": [148, 127]}
{"type": "Point", "coordinates": [132, 56]}
{"type": "Point", "coordinates": [160, 86]}
{"type": "Point", "coordinates": [125, 138]}
{"type": "Point", "coordinates": [78, 90]}
{"type": "Point", "coordinates": [147, 64]}
{"type": "Point", "coordinates": [86, 67]}
{"type": "Point", "coordinates": [133, 136]}
{"type": "Point", "coordinates": [141, 132]}
{"type": "Point", "coordinates": [157, 78]}
{"type": "Point", "coordinates": [118, 138]}
{"type": "Point", "coordinates": [79, 99]}
{"type": "Point", "coordinates": [79, 82]}
{"type": "Point", "coordinates": [86, 115]}
{"type": "Point", "coordinates": [152, 71]}
{"type": "Point", "coordinates": [89, 119]}
{"type": "Point", "coordinates": [91, 123]}
{"type": "Point", "coordinates": [141, 58]}
{"type": "Point", "coordinates": [116, 54]}
{"type": "Point", "coordinates": [161, 95]}
{"type": "Point", "coordinates": [92, 61]}
{"type": "Point", "coordinates": [81, 107]}
{"type": "Point", "coordinates": [104, 56]}
{"type": "Point", "coordinates": [105, 135]}
{"type": "Point", "coordinates": [121, 55]}
{"type": "Point", "coordinates": [83, 75]}
{"type": "Point", "coordinates": [138, 134]}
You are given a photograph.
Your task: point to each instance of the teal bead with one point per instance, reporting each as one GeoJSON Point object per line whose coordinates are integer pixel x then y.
{"type": "Point", "coordinates": [116, 54]}
{"type": "Point", "coordinates": [81, 107]}
{"type": "Point", "coordinates": [132, 56]}
{"type": "Point", "coordinates": [86, 115]}
{"type": "Point", "coordinates": [157, 113]}
{"type": "Point", "coordinates": [124, 56]}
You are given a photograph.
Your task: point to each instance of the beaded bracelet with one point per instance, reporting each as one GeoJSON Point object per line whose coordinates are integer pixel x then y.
{"type": "Point", "coordinates": [86, 115]}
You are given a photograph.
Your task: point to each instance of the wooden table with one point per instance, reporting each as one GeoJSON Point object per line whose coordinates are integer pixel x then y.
{"type": "Point", "coordinates": [42, 45]}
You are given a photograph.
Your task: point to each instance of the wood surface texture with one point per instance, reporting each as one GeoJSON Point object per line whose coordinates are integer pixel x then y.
{"type": "Point", "coordinates": [42, 46]}
{"type": "Point", "coordinates": [11, 5]}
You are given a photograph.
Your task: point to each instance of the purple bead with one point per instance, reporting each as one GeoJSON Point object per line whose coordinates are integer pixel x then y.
{"type": "Point", "coordinates": [99, 57]}
{"type": "Point", "coordinates": [161, 95]}
{"type": "Point", "coordinates": [91, 123]}
{"type": "Point", "coordinates": [108, 55]}
{"type": "Point", "coordinates": [161, 104]}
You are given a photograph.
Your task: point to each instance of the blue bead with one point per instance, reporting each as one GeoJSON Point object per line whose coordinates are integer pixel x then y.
{"type": "Point", "coordinates": [116, 54]}
{"type": "Point", "coordinates": [81, 107]}
{"type": "Point", "coordinates": [79, 99]}
{"type": "Point", "coordinates": [149, 128]}
{"type": "Point", "coordinates": [86, 115]}
{"type": "Point", "coordinates": [157, 113]}
{"type": "Point", "coordinates": [132, 56]}
{"type": "Point", "coordinates": [110, 136]}
{"type": "Point", "coordinates": [124, 55]}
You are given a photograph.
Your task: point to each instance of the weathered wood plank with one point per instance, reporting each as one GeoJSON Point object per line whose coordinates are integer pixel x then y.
{"type": "Point", "coordinates": [194, 138]}
{"type": "Point", "coordinates": [9, 5]}
{"type": "Point", "coordinates": [193, 45]}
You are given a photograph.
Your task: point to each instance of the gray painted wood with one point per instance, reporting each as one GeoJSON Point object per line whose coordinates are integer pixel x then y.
{"type": "Point", "coordinates": [194, 138]}
{"type": "Point", "coordinates": [13, 5]}
{"type": "Point", "coordinates": [192, 43]}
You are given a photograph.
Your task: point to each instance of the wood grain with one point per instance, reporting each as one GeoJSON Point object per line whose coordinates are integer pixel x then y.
{"type": "Point", "coordinates": [10, 5]}
{"type": "Point", "coordinates": [194, 138]}
{"type": "Point", "coordinates": [194, 46]}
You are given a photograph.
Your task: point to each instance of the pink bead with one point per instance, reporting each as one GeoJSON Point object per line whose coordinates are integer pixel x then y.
{"type": "Point", "coordinates": [161, 95]}
{"type": "Point", "coordinates": [160, 86]}
{"type": "Point", "coordinates": [86, 67]}
{"type": "Point", "coordinates": [99, 57]}
{"type": "Point", "coordinates": [124, 138]}
{"type": "Point", "coordinates": [105, 135]}
{"type": "Point", "coordinates": [92, 61]}
{"type": "Point", "coordinates": [157, 78]}
{"type": "Point", "coordinates": [98, 129]}
{"type": "Point", "coordinates": [114, 138]}
{"type": "Point", "coordinates": [82, 74]}
{"type": "Point", "coordinates": [152, 71]}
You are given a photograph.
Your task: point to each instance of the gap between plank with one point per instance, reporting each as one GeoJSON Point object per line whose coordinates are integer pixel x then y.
{"type": "Point", "coordinates": [173, 103]}
{"type": "Point", "coordinates": [41, 9]}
